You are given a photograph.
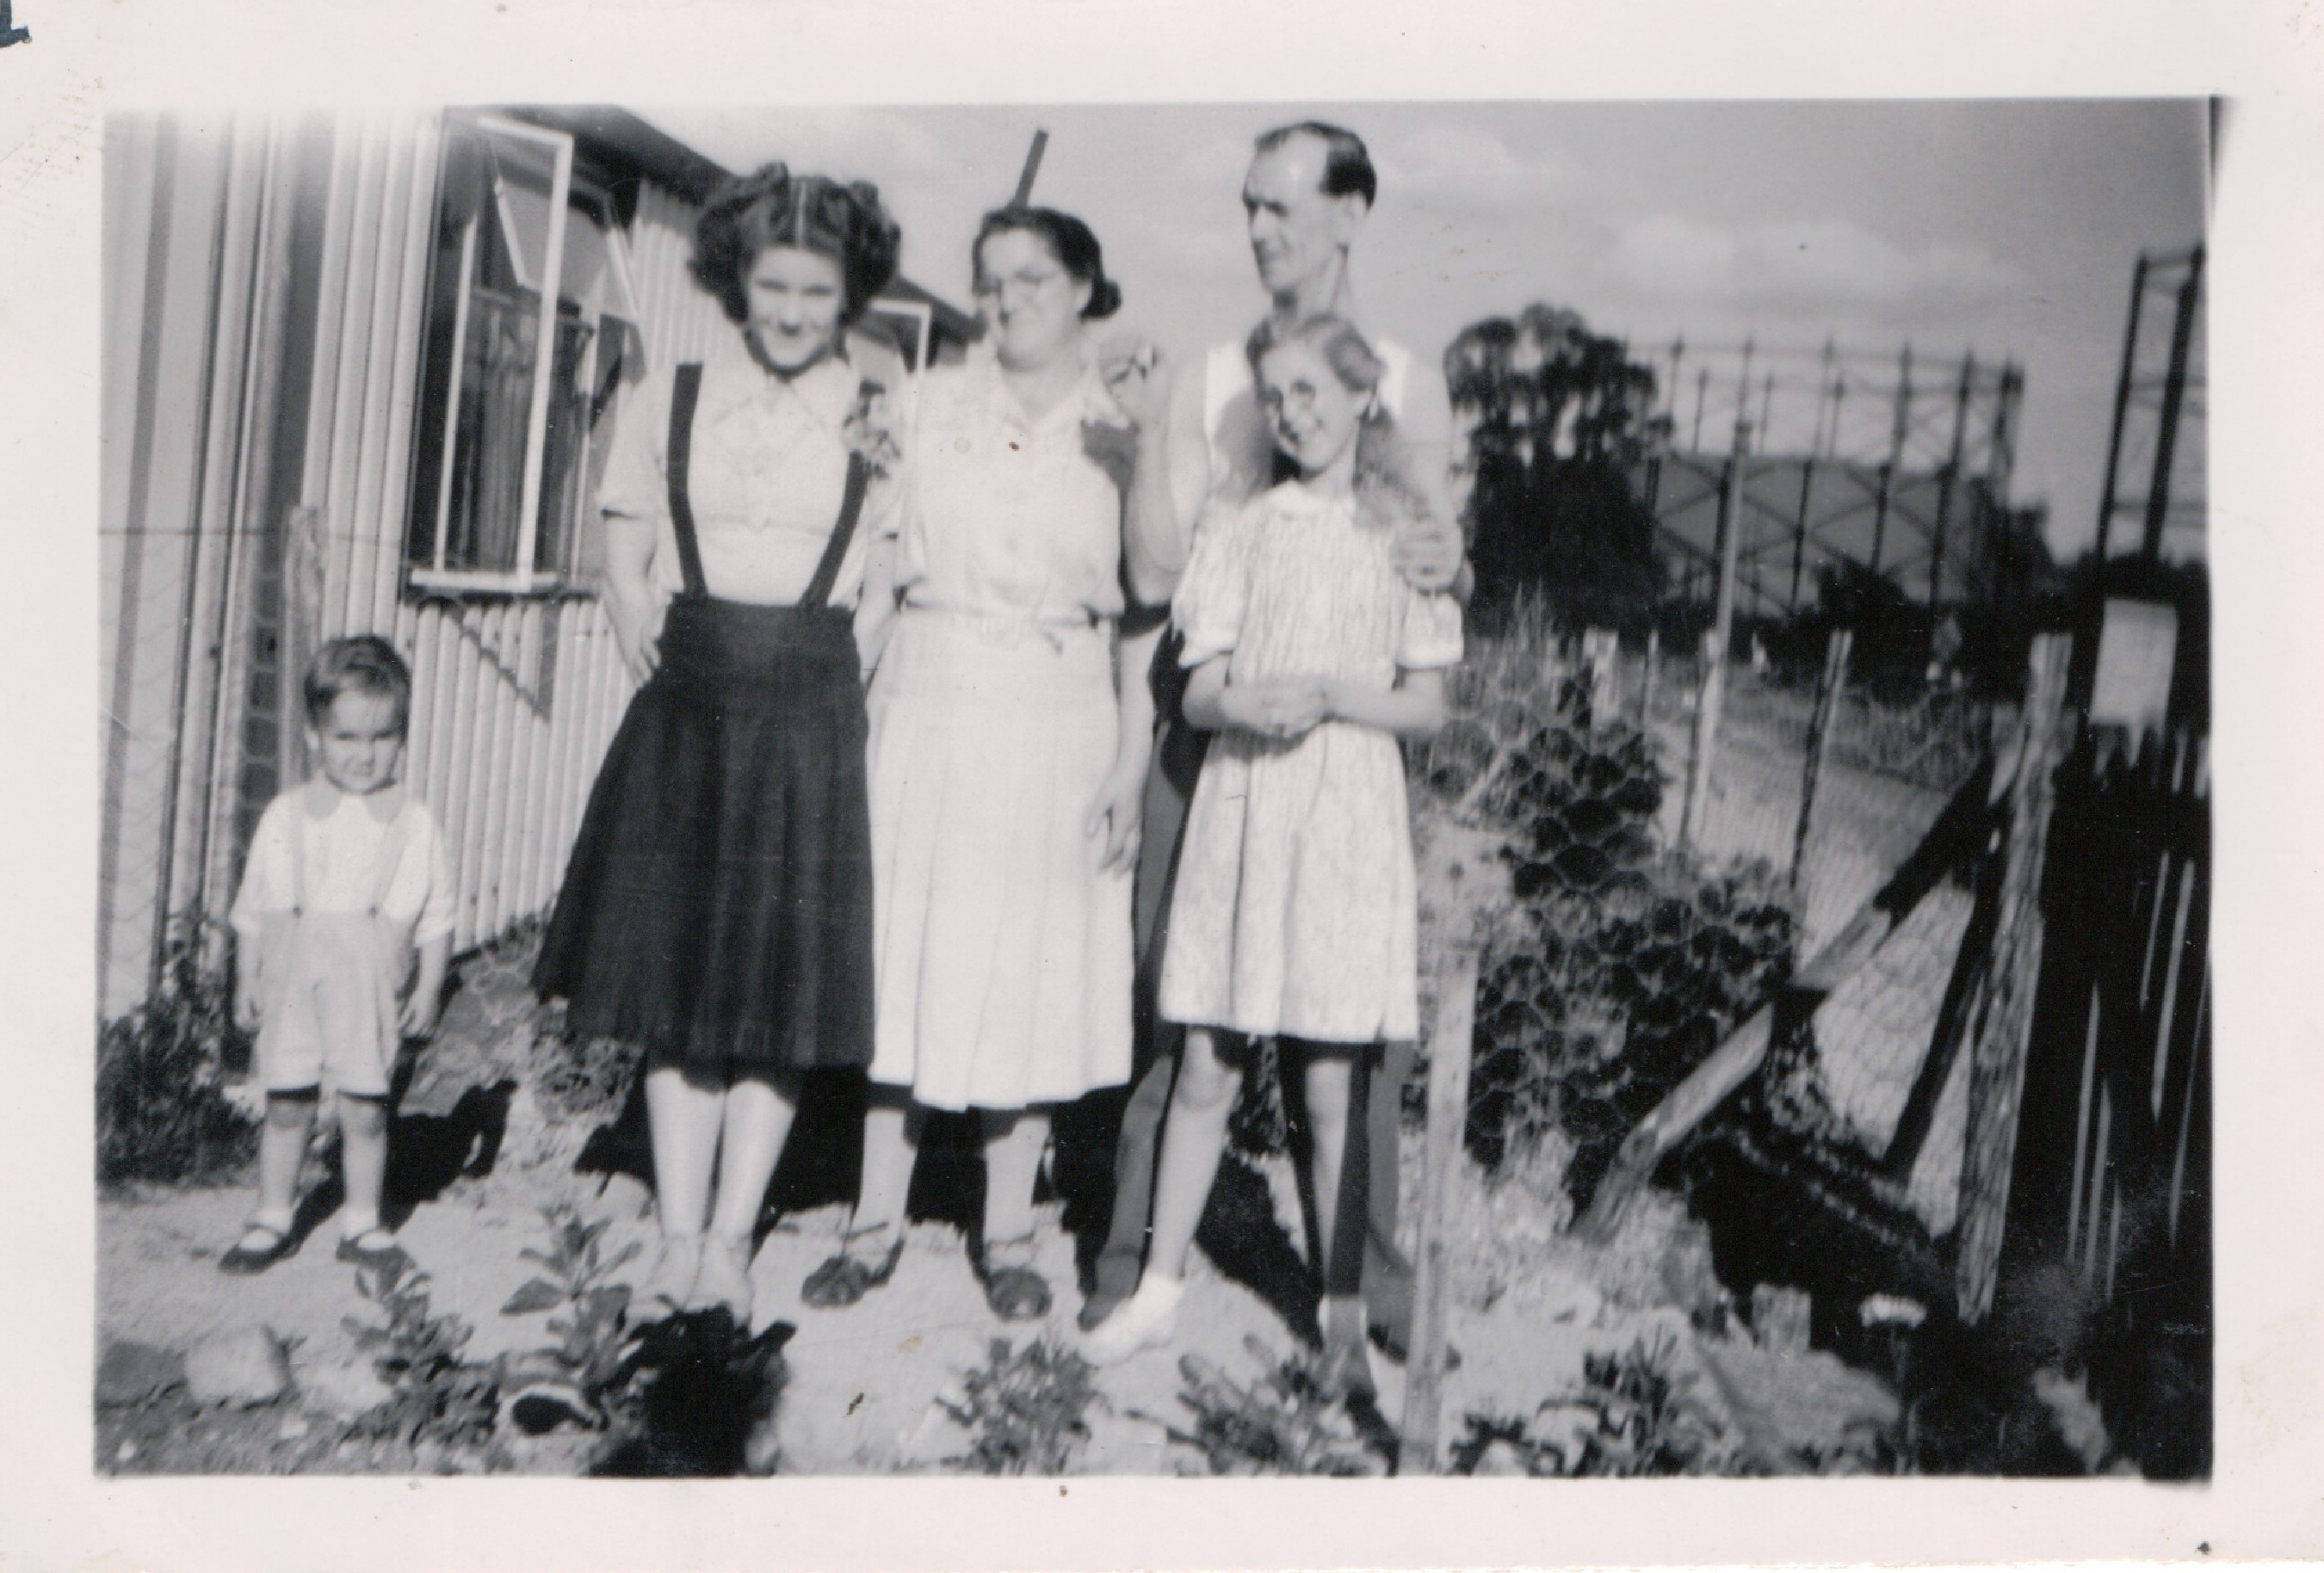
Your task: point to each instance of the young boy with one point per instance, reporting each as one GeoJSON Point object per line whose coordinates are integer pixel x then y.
{"type": "Point", "coordinates": [348, 878]}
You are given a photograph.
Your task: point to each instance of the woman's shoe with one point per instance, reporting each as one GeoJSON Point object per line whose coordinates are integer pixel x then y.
{"type": "Point", "coordinates": [261, 1247]}
{"type": "Point", "coordinates": [374, 1247]}
{"type": "Point", "coordinates": [848, 1276]}
{"type": "Point", "coordinates": [723, 1279]}
{"type": "Point", "coordinates": [1144, 1321]}
{"type": "Point", "coordinates": [1346, 1371]}
{"type": "Point", "coordinates": [670, 1284]}
{"type": "Point", "coordinates": [1014, 1290]}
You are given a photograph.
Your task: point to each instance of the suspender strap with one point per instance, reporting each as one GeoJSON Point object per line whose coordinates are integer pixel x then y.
{"type": "Point", "coordinates": [685, 392]}
{"type": "Point", "coordinates": [299, 854]}
{"type": "Point", "coordinates": [390, 853]}
{"type": "Point", "coordinates": [826, 572]}
{"type": "Point", "coordinates": [851, 509]}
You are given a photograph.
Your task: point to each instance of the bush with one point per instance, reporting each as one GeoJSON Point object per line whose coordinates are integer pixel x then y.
{"type": "Point", "coordinates": [1634, 1415]}
{"type": "Point", "coordinates": [163, 1116]}
{"type": "Point", "coordinates": [1284, 1423]}
{"type": "Point", "coordinates": [1625, 965]}
{"type": "Point", "coordinates": [1027, 1409]}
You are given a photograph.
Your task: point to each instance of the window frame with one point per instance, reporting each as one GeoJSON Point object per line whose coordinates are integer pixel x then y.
{"type": "Point", "coordinates": [435, 577]}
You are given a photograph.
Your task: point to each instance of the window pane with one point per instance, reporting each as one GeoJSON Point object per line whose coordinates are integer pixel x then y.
{"type": "Point", "coordinates": [564, 466]}
{"type": "Point", "coordinates": [495, 396]}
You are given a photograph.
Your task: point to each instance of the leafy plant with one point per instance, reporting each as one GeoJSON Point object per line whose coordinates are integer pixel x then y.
{"type": "Point", "coordinates": [436, 1396]}
{"type": "Point", "coordinates": [594, 1312]}
{"type": "Point", "coordinates": [695, 1396]}
{"type": "Point", "coordinates": [577, 1078]}
{"type": "Point", "coordinates": [1025, 1408]}
{"type": "Point", "coordinates": [162, 1114]}
{"type": "Point", "coordinates": [1284, 1423]}
{"type": "Point", "coordinates": [1632, 1415]}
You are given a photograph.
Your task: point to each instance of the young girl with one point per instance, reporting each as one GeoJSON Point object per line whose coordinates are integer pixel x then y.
{"type": "Point", "coordinates": [1295, 914]}
{"type": "Point", "coordinates": [348, 878]}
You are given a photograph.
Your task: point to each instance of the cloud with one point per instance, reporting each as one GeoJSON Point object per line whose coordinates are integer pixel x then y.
{"type": "Point", "coordinates": [1467, 168]}
{"type": "Point", "coordinates": [1789, 265]}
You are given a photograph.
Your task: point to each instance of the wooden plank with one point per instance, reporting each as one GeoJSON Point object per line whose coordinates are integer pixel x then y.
{"type": "Point", "coordinates": [531, 805]}
{"type": "Point", "coordinates": [1956, 830]}
{"type": "Point", "coordinates": [1822, 728]}
{"type": "Point", "coordinates": [497, 744]}
{"type": "Point", "coordinates": [1470, 869]}
{"type": "Point", "coordinates": [467, 774]}
{"type": "Point", "coordinates": [1449, 1053]}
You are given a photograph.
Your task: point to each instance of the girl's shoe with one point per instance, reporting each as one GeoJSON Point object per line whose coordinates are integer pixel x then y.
{"type": "Point", "coordinates": [849, 1276]}
{"type": "Point", "coordinates": [1144, 1321]}
{"type": "Point", "coordinates": [373, 1248]}
{"type": "Point", "coordinates": [1014, 1290]}
{"type": "Point", "coordinates": [261, 1247]}
{"type": "Point", "coordinates": [670, 1284]}
{"type": "Point", "coordinates": [723, 1279]}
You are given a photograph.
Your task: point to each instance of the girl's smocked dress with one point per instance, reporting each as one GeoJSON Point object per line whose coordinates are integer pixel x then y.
{"type": "Point", "coordinates": [718, 906]}
{"type": "Point", "coordinates": [1294, 911]}
{"type": "Point", "coordinates": [1004, 954]}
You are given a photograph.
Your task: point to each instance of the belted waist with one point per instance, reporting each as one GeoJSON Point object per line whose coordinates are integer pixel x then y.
{"type": "Point", "coordinates": [1009, 630]}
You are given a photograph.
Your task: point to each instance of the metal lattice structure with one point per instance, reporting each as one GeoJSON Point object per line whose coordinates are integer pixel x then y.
{"type": "Point", "coordinates": [1897, 466]}
{"type": "Point", "coordinates": [2161, 409]}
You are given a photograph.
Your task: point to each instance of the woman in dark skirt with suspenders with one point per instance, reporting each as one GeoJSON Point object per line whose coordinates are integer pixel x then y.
{"type": "Point", "coordinates": [717, 908]}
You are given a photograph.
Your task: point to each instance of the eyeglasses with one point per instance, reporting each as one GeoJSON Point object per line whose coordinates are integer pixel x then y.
{"type": "Point", "coordinates": [1019, 286]}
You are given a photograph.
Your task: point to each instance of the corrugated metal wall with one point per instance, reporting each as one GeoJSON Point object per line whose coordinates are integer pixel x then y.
{"type": "Point", "coordinates": [516, 699]}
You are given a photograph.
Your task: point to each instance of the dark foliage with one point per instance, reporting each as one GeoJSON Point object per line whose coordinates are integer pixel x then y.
{"type": "Point", "coordinates": [697, 1397]}
{"type": "Point", "coordinates": [1025, 1409]}
{"type": "Point", "coordinates": [1557, 421]}
{"type": "Point", "coordinates": [1284, 1423]}
{"type": "Point", "coordinates": [163, 1116]}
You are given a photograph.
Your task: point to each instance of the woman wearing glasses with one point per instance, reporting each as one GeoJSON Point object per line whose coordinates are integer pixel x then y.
{"type": "Point", "coordinates": [1012, 726]}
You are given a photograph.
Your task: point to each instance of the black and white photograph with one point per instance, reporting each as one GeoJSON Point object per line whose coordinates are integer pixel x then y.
{"type": "Point", "coordinates": [1290, 788]}
{"type": "Point", "coordinates": [1436, 786]}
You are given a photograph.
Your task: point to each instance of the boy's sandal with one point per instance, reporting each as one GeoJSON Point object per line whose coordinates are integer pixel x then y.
{"type": "Point", "coordinates": [261, 1247]}
{"type": "Point", "coordinates": [1014, 1290]}
{"type": "Point", "coordinates": [848, 1277]}
{"type": "Point", "coordinates": [374, 1248]}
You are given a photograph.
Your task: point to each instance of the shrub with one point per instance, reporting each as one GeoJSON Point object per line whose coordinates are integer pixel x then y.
{"type": "Point", "coordinates": [1632, 1415]}
{"type": "Point", "coordinates": [1025, 1409]}
{"type": "Point", "coordinates": [435, 1395]}
{"type": "Point", "coordinates": [1284, 1423]}
{"type": "Point", "coordinates": [1625, 964]}
{"type": "Point", "coordinates": [591, 1327]}
{"type": "Point", "coordinates": [163, 1116]}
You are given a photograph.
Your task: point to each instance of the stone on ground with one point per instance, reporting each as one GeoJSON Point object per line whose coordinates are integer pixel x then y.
{"type": "Point", "coordinates": [243, 1366]}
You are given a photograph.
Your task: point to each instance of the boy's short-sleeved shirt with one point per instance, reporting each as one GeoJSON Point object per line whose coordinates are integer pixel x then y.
{"type": "Point", "coordinates": [341, 849]}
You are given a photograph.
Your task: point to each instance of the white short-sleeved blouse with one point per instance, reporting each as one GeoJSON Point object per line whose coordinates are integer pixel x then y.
{"type": "Point", "coordinates": [1006, 515]}
{"type": "Point", "coordinates": [765, 478]}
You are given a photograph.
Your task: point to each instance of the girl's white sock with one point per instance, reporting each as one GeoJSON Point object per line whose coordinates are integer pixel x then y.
{"type": "Point", "coordinates": [355, 1224]}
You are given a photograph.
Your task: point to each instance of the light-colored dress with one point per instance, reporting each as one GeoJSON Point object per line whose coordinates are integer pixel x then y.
{"type": "Point", "coordinates": [1294, 911]}
{"type": "Point", "coordinates": [1003, 954]}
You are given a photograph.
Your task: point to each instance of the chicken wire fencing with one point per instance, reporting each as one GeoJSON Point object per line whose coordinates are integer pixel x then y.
{"type": "Point", "coordinates": [1638, 936]}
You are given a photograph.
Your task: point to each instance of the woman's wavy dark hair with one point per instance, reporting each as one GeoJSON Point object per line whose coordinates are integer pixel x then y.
{"type": "Point", "coordinates": [774, 206]}
{"type": "Point", "coordinates": [1072, 242]}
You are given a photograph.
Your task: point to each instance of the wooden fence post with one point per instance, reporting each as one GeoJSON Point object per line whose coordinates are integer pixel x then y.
{"type": "Point", "coordinates": [1647, 687]}
{"type": "Point", "coordinates": [2002, 1033]}
{"type": "Point", "coordinates": [1601, 653]}
{"type": "Point", "coordinates": [1821, 728]}
{"type": "Point", "coordinates": [1715, 643]}
{"type": "Point", "coordinates": [1475, 884]}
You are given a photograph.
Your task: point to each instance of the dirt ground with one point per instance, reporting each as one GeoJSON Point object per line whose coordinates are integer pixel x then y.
{"type": "Point", "coordinates": [864, 1386]}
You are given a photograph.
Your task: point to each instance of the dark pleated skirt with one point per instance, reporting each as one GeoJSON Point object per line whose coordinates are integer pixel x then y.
{"type": "Point", "coordinates": [717, 908]}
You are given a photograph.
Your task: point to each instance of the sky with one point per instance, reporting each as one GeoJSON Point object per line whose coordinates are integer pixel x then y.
{"type": "Point", "coordinates": [2002, 229]}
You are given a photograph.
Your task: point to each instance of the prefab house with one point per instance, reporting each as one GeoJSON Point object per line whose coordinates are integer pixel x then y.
{"type": "Point", "coordinates": [361, 371]}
